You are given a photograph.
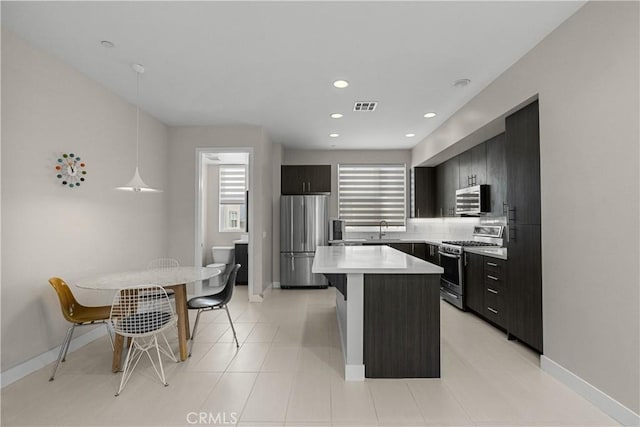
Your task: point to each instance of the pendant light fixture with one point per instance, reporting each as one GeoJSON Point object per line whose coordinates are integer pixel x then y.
{"type": "Point", "coordinates": [136, 184]}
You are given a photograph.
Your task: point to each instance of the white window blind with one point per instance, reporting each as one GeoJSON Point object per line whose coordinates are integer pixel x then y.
{"type": "Point", "coordinates": [233, 185]}
{"type": "Point", "coordinates": [368, 194]}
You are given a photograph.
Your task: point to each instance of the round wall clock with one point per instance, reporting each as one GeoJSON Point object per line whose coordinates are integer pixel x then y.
{"type": "Point", "coordinates": [70, 170]}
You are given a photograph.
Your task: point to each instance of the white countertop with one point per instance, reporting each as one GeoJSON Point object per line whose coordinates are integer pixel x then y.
{"type": "Point", "coordinates": [240, 242]}
{"type": "Point", "coordinates": [369, 260]}
{"type": "Point", "coordinates": [492, 252]}
{"type": "Point", "coordinates": [385, 241]}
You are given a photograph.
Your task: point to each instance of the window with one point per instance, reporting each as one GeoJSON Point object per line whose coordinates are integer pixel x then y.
{"type": "Point", "coordinates": [368, 194]}
{"type": "Point", "coordinates": [233, 198]}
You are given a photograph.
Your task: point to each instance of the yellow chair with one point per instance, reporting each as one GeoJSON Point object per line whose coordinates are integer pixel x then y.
{"type": "Point", "coordinates": [78, 315]}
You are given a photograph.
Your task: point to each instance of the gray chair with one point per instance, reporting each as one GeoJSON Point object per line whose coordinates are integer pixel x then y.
{"type": "Point", "coordinates": [216, 301]}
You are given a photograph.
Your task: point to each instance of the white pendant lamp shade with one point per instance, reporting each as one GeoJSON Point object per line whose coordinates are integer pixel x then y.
{"type": "Point", "coordinates": [137, 185]}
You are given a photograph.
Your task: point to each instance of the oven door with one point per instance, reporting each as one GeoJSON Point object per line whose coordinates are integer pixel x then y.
{"type": "Point", "coordinates": [452, 265]}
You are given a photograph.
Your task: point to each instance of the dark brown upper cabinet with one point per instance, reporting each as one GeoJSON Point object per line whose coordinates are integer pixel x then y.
{"type": "Point", "coordinates": [473, 166]}
{"type": "Point", "coordinates": [305, 179]}
{"type": "Point", "coordinates": [497, 174]}
{"type": "Point", "coordinates": [447, 175]}
{"type": "Point", "coordinates": [424, 192]}
{"type": "Point", "coordinates": [523, 165]}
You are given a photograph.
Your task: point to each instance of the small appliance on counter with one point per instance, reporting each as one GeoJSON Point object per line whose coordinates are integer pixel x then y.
{"type": "Point", "coordinates": [336, 229]}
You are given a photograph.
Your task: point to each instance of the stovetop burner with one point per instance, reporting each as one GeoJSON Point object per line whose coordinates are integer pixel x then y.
{"type": "Point", "coordinates": [468, 243]}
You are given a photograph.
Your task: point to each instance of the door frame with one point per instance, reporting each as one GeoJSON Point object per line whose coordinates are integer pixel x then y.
{"type": "Point", "coordinates": [199, 220]}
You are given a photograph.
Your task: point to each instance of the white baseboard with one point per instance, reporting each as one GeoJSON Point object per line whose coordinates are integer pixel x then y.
{"type": "Point", "coordinates": [22, 370]}
{"type": "Point", "coordinates": [354, 372]}
{"type": "Point", "coordinates": [606, 403]}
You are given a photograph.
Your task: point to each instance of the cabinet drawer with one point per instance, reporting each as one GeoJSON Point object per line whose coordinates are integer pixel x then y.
{"type": "Point", "coordinates": [494, 280]}
{"type": "Point", "coordinates": [494, 308]}
{"type": "Point", "coordinates": [494, 266]}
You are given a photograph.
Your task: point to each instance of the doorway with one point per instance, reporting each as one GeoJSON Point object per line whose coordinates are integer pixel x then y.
{"type": "Point", "coordinates": [224, 210]}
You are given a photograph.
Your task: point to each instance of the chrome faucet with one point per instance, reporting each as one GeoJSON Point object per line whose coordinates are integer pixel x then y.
{"type": "Point", "coordinates": [380, 234]}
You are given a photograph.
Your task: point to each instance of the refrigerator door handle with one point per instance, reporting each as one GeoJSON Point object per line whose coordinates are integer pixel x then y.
{"type": "Point", "coordinates": [304, 222]}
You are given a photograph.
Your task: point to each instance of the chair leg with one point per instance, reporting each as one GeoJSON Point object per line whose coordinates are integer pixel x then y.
{"type": "Point", "coordinates": [66, 350]}
{"type": "Point", "coordinates": [106, 325]}
{"type": "Point", "coordinates": [126, 367]}
{"type": "Point", "coordinates": [162, 377]}
{"type": "Point", "coordinates": [63, 352]}
{"type": "Point", "coordinates": [235, 337]}
{"type": "Point", "coordinates": [193, 333]}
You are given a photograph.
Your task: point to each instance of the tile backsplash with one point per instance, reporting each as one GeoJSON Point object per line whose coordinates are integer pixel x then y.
{"type": "Point", "coordinates": [436, 229]}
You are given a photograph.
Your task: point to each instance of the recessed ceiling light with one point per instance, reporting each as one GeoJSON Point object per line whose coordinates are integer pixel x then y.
{"type": "Point", "coordinates": [341, 84]}
{"type": "Point", "coordinates": [336, 116]}
{"type": "Point", "coordinates": [429, 115]}
{"type": "Point", "coordinates": [410, 135]}
{"type": "Point", "coordinates": [107, 43]}
{"type": "Point", "coordinates": [334, 135]}
{"type": "Point", "coordinates": [461, 82]}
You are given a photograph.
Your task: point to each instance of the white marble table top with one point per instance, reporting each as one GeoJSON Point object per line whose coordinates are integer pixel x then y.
{"type": "Point", "coordinates": [159, 277]}
{"type": "Point", "coordinates": [369, 260]}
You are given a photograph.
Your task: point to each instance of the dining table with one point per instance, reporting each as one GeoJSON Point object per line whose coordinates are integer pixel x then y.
{"type": "Point", "coordinates": [173, 278]}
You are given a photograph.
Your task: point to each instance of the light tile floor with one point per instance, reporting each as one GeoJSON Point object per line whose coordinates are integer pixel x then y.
{"type": "Point", "coordinates": [289, 370]}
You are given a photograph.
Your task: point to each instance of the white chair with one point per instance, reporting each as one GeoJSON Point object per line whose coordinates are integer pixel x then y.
{"type": "Point", "coordinates": [142, 313]}
{"type": "Point", "coordinates": [164, 264]}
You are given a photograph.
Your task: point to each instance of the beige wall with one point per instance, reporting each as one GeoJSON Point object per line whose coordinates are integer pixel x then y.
{"type": "Point", "coordinates": [586, 76]}
{"type": "Point", "coordinates": [211, 218]}
{"type": "Point", "coordinates": [182, 191]}
{"type": "Point", "coordinates": [49, 230]}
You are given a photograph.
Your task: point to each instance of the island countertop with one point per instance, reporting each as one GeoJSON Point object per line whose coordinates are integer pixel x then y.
{"type": "Point", "coordinates": [369, 260]}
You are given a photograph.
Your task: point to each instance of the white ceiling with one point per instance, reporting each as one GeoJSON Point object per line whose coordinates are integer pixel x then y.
{"type": "Point", "coordinates": [272, 64]}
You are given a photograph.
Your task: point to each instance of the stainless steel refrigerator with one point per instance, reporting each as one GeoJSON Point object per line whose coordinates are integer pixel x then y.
{"type": "Point", "coordinates": [304, 225]}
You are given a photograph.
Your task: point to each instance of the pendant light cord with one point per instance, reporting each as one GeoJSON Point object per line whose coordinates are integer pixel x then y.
{"type": "Point", "coordinates": [137, 119]}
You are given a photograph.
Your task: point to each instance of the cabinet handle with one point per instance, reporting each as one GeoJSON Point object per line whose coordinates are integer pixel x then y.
{"type": "Point", "coordinates": [309, 186]}
{"type": "Point", "coordinates": [492, 277]}
{"type": "Point", "coordinates": [418, 212]}
{"type": "Point", "coordinates": [493, 291]}
{"type": "Point", "coordinates": [441, 212]}
{"type": "Point", "coordinates": [303, 186]}
{"type": "Point", "coordinates": [466, 261]}
{"type": "Point", "coordinates": [492, 264]}
{"type": "Point", "coordinates": [468, 180]}
{"type": "Point", "coordinates": [492, 310]}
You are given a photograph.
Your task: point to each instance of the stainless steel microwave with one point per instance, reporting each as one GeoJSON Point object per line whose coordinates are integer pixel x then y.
{"type": "Point", "coordinates": [473, 200]}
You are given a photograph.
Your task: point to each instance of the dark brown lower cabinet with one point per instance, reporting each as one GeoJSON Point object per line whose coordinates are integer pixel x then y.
{"type": "Point", "coordinates": [474, 282]}
{"type": "Point", "coordinates": [418, 250]}
{"type": "Point", "coordinates": [242, 258]}
{"type": "Point", "coordinates": [401, 326]}
{"type": "Point", "coordinates": [524, 298]}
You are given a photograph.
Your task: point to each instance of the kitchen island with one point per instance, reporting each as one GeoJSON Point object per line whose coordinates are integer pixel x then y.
{"type": "Point", "coordinates": [388, 309]}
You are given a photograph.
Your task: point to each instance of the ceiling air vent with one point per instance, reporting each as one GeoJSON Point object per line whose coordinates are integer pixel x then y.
{"type": "Point", "coordinates": [365, 106]}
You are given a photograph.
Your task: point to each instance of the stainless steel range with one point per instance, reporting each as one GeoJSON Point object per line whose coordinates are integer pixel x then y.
{"type": "Point", "coordinates": [452, 260]}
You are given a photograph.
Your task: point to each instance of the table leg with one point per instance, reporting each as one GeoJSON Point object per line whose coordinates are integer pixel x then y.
{"type": "Point", "coordinates": [118, 343]}
{"type": "Point", "coordinates": [183, 318]}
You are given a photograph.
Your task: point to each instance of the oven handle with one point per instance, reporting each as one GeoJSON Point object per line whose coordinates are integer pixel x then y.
{"type": "Point", "coordinates": [449, 255]}
{"type": "Point", "coordinates": [449, 293]}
